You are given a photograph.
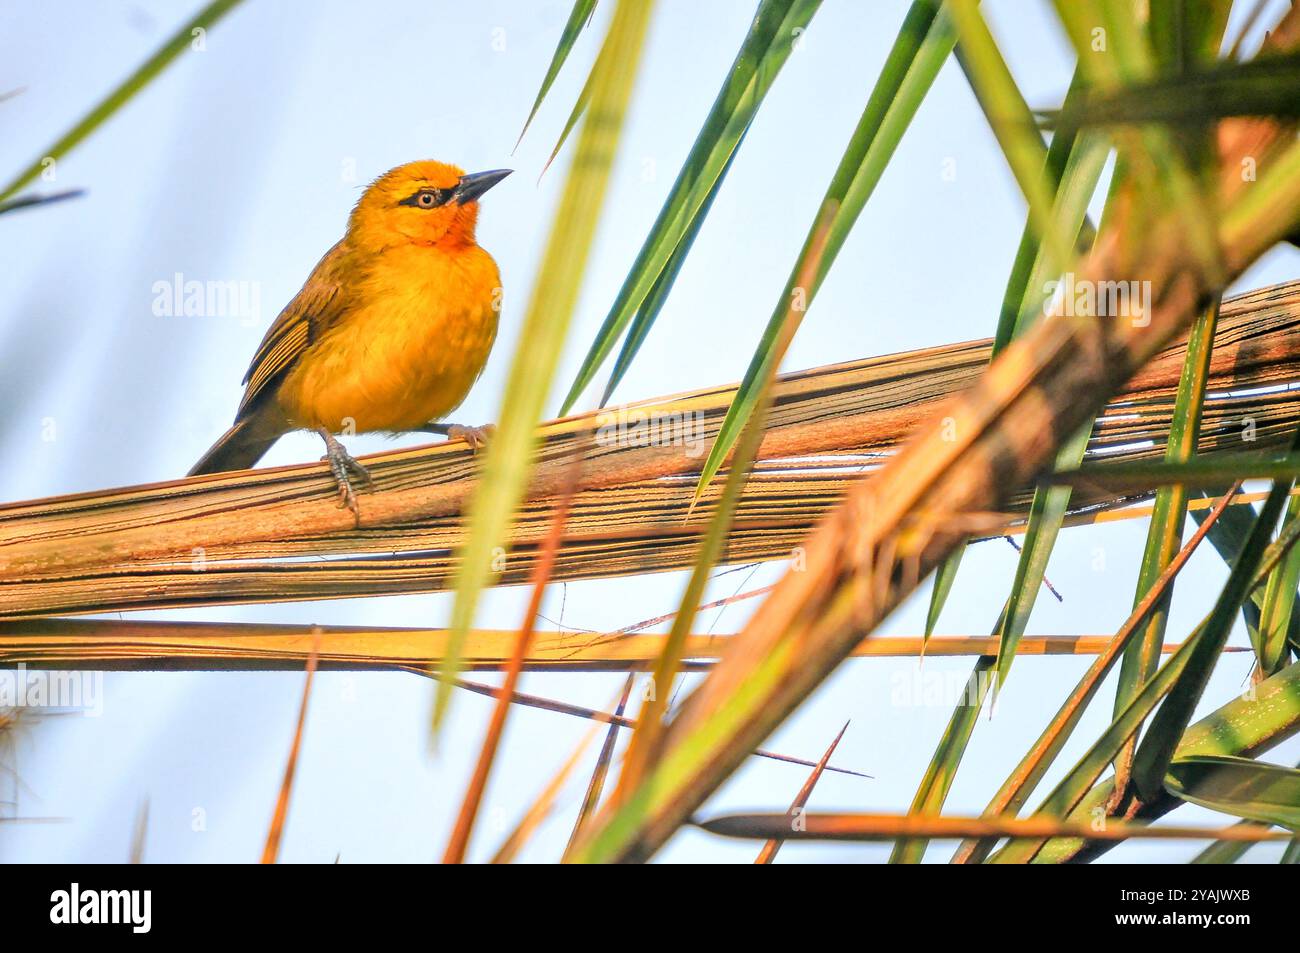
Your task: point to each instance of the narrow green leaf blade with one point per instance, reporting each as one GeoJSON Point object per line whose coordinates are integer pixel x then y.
{"type": "Point", "coordinates": [1276, 614]}
{"type": "Point", "coordinates": [1073, 192]}
{"type": "Point", "coordinates": [579, 17]}
{"type": "Point", "coordinates": [642, 750]}
{"type": "Point", "coordinates": [933, 790]}
{"type": "Point", "coordinates": [1161, 740]}
{"type": "Point", "coordinates": [654, 302]}
{"type": "Point", "coordinates": [575, 114]}
{"type": "Point", "coordinates": [1168, 515]}
{"type": "Point", "coordinates": [1269, 793]}
{"type": "Point", "coordinates": [767, 45]}
{"type": "Point", "coordinates": [1245, 726]}
{"type": "Point", "coordinates": [1269, 86]}
{"type": "Point", "coordinates": [1029, 251]}
{"type": "Point", "coordinates": [944, 577]}
{"type": "Point", "coordinates": [509, 457]}
{"type": "Point", "coordinates": [1072, 167]}
{"type": "Point", "coordinates": [1022, 781]}
{"type": "Point", "coordinates": [1140, 476]}
{"type": "Point", "coordinates": [1206, 640]}
{"type": "Point", "coordinates": [923, 45]}
{"type": "Point", "coordinates": [33, 201]}
{"type": "Point", "coordinates": [1005, 108]}
{"type": "Point", "coordinates": [1228, 536]}
{"type": "Point", "coordinates": [1046, 514]}
{"type": "Point", "coordinates": [104, 110]}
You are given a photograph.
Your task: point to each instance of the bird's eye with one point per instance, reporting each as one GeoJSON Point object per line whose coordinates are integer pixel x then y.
{"type": "Point", "coordinates": [425, 198]}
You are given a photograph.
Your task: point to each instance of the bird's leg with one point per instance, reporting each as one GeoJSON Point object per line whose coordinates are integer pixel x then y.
{"type": "Point", "coordinates": [476, 437]}
{"type": "Point", "coordinates": [341, 463]}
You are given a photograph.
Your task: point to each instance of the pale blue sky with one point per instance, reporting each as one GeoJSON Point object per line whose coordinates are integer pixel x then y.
{"type": "Point", "coordinates": [234, 166]}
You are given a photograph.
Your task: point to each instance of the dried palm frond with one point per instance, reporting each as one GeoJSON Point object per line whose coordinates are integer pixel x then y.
{"type": "Point", "coordinates": [242, 537]}
{"type": "Point", "coordinates": [128, 644]}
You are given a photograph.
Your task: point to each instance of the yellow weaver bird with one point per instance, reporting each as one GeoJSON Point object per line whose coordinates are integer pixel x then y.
{"type": "Point", "coordinates": [389, 332]}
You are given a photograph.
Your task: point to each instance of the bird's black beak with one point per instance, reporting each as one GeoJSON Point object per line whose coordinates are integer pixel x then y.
{"type": "Point", "coordinates": [475, 184]}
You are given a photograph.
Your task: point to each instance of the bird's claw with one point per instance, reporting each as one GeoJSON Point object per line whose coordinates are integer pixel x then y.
{"type": "Point", "coordinates": [476, 437]}
{"type": "Point", "coordinates": [344, 466]}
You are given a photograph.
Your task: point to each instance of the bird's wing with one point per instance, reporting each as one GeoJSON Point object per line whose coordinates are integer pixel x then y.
{"type": "Point", "coordinates": [315, 307]}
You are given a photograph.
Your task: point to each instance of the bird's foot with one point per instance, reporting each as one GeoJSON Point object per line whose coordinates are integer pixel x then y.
{"type": "Point", "coordinates": [344, 466]}
{"type": "Point", "coordinates": [476, 437]}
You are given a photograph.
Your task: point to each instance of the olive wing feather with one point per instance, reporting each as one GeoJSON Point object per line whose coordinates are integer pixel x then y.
{"type": "Point", "coordinates": [313, 309]}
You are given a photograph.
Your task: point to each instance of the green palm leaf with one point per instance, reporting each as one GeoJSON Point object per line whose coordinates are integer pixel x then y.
{"type": "Point", "coordinates": [768, 44]}
{"type": "Point", "coordinates": [104, 110]}
{"type": "Point", "coordinates": [510, 454]}
{"type": "Point", "coordinates": [579, 17]}
{"type": "Point", "coordinates": [1269, 86]}
{"type": "Point", "coordinates": [924, 42]}
{"type": "Point", "coordinates": [1269, 793]}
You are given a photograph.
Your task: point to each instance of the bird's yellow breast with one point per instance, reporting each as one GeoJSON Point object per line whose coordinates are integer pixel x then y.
{"type": "Point", "coordinates": [412, 337]}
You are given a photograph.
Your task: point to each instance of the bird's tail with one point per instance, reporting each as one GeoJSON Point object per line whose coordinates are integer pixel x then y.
{"type": "Point", "coordinates": [239, 447]}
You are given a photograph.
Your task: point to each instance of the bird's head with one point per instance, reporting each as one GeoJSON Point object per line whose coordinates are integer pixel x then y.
{"type": "Point", "coordinates": [426, 203]}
